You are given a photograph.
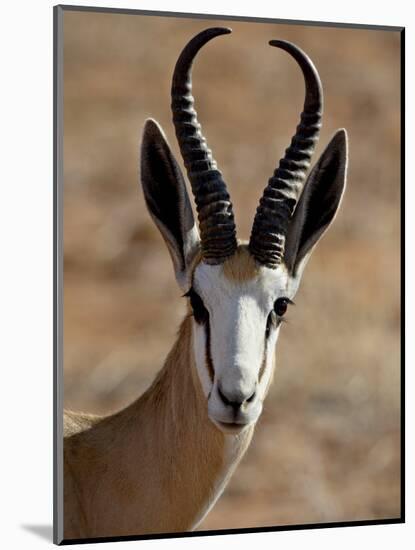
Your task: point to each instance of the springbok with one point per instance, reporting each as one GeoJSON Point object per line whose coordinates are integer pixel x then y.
{"type": "Point", "coordinates": [160, 464]}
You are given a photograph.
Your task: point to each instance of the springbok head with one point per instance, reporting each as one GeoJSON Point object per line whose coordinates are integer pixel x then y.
{"type": "Point", "coordinates": [239, 291]}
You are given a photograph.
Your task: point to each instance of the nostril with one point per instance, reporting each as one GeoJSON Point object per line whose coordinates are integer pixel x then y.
{"type": "Point", "coordinates": [234, 401]}
{"type": "Point", "coordinates": [251, 398]}
{"type": "Point", "coordinates": [224, 398]}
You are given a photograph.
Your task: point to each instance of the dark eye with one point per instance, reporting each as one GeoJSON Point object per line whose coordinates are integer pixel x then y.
{"type": "Point", "coordinates": [281, 305]}
{"type": "Point", "coordinates": [275, 317]}
{"type": "Point", "coordinates": [200, 313]}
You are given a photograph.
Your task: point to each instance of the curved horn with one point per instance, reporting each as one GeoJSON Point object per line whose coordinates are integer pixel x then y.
{"type": "Point", "coordinates": [285, 186]}
{"type": "Point", "coordinates": [216, 220]}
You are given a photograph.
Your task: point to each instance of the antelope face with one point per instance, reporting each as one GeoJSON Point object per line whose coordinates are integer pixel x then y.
{"type": "Point", "coordinates": [239, 293]}
{"type": "Point", "coordinates": [238, 308]}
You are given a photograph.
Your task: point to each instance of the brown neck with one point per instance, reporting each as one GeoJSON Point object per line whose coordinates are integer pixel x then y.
{"type": "Point", "coordinates": [190, 449]}
{"type": "Point", "coordinates": [163, 461]}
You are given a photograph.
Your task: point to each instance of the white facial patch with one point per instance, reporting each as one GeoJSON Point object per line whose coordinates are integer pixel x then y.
{"type": "Point", "coordinates": [241, 355]}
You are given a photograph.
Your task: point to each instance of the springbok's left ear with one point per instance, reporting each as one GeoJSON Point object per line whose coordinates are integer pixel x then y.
{"type": "Point", "coordinates": [318, 204]}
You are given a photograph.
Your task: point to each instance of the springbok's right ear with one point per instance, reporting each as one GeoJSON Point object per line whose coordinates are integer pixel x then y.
{"type": "Point", "coordinates": [167, 200]}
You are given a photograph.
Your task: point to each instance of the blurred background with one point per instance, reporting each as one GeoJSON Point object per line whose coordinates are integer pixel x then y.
{"type": "Point", "coordinates": [327, 447]}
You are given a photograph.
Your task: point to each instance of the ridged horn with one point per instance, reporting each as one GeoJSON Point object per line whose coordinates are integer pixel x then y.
{"type": "Point", "coordinates": [285, 186]}
{"type": "Point", "coordinates": [216, 220]}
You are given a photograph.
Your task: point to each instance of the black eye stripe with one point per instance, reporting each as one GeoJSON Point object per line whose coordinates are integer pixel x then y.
{"type": "Point", "coordinates": [271, 320]}
{"type": "Point", "coordinates": [209, 361]}
{"type": "Point", "coordinates": [200, 312]}
{"type": "Point", "coordinates": [201, 316]}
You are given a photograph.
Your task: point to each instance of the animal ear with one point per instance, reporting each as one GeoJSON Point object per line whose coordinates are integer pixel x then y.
{"type": "Point", "coordinates": [318, 204]}
{"type": "Point", "coordinates": [167, 200]}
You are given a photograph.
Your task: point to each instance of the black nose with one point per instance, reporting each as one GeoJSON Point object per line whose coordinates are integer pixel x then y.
{"type": "Point", "coordinates": [235, 400]}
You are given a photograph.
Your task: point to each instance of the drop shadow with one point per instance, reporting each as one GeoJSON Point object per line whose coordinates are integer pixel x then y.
{"type": "Point", "coordinates": [43, 531]}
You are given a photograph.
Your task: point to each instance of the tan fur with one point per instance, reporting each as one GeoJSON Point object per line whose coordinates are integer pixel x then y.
{"type": "Point", "coordinates": [152, 467]}
{"type": "Point", "coordinates": [240, 267]}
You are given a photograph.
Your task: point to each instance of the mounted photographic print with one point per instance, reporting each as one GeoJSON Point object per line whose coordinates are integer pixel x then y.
{"type": "Point", "coordinates": [222, 184]}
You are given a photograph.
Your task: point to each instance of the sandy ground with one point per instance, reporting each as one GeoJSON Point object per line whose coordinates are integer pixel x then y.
{"type": "Point", "coordinates": [327, 447]}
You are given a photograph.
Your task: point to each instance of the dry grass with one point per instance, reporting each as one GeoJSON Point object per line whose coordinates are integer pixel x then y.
{"type": "Point", "coordinates": [327, 447]}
